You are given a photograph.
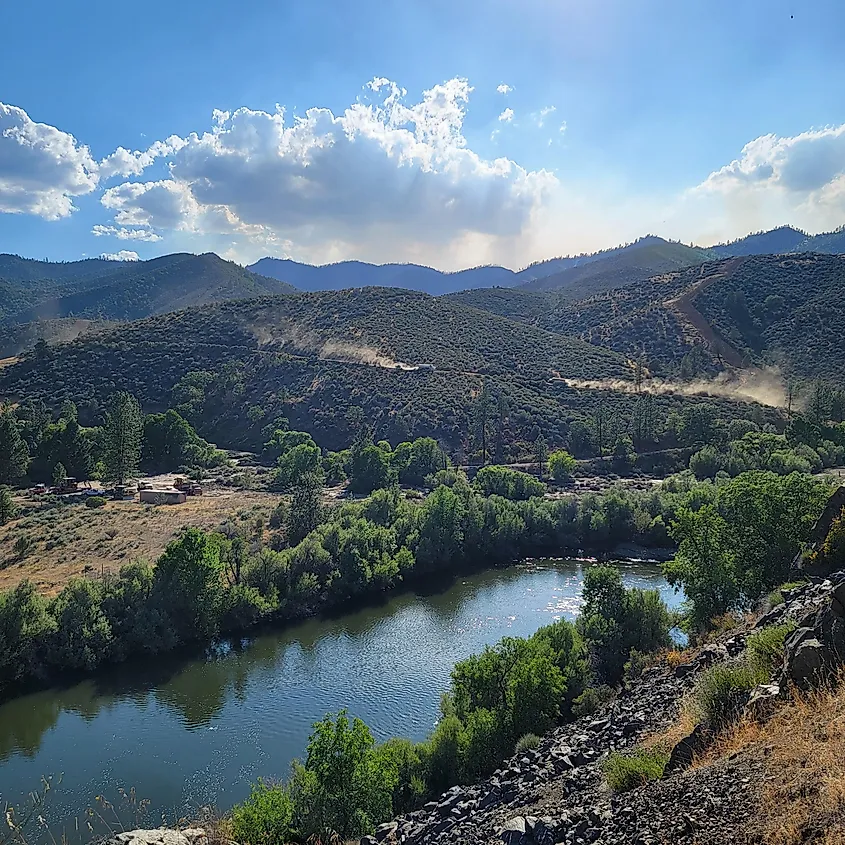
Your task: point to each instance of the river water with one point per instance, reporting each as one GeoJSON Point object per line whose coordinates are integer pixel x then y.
{"type": "Point", "coordinates": [190, 731]}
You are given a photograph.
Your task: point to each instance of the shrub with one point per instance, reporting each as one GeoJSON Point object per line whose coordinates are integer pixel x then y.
{"type": "Point", "coordinates": [721, 693]}
{"type": "Point", "coordinates": [636, 664]}
{"type": "Point", "coordinates": [509, 483]}
{"type": "Point", "coordinates": [95, 502]}
{"type": "Point", "coordinates": [526, 742]}
{"type": "Point", "coordinates": [265, 817]}
{"type": "Point", "coordinates": [765, 648]}
{"type": "Point", "coordinates": [561, 465]}
{"type": "Point", "coordinates": [775, 597]}
{"type": "Point", "coordinates": [634, 768]}
{"type": "Point", "coordinates": [591, 700]}
{"type": "Point", "coordinates": [23, 545]}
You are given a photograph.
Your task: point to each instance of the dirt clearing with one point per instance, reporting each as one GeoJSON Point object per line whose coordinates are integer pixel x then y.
{"type": "Point", "coordinates": [51, 543]}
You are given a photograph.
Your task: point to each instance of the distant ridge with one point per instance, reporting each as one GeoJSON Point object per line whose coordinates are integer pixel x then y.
{"type": "Point", "coordinates": [357, 274]}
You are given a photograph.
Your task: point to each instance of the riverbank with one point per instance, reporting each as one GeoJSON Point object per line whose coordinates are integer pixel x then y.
{"type": "Point", "coordinates": [773, 776]}
{"type": "Point", "coordinates": [215, 723]}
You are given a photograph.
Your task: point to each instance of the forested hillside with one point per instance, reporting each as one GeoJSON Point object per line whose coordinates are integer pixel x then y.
{"type": "Point", "coordinates": [328, 362]}
{"type": "Point", "coordinates": [759, 309]}
{"type": "Point", "coordinates": [357, 274]}
{"type": "Point", "coordinates": [641, 260]}
{"type": "Point", "coordinates": [138, 289]}
{"type": "Point", "coordinates": [784, 239]}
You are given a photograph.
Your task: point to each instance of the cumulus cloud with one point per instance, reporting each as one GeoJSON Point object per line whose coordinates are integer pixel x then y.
{"type": "Point", "coordinates": [504, 88]}
{"type": "Point", "coordinates": [799, 178]}
{"type": "Point", "coordinates": [124, 234]}
{"type": "Point", "coordinates": [387, 172]}
{"type": "Point", "coordinates": [41, 168]}
{"type": "Point", "coordinates": [506, 116]}
{"type": "Point", "coordinates": [123, 255]}
{"type": "Point", "coordinates": [122, 162]}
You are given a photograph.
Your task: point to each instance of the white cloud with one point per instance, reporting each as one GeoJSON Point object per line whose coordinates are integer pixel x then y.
{"type": "Point", "coordinates": [123, 234]}
{"type": "Point", "coordinates": [540, 117]}
{"type": "Point", "coordinates": [124, 163]}
{"type": "Point", "coordinates": [123, 255]}
{"type": "Point", "coordinates": [506, 116]}
{"type": "Point", "coordinates": [387, 179]}
{"type": "Point", "coordinates": [798, 179]}
{"type": "Point", "coordinates": [562, 127]}
{"type": "Point", "coordinates": [504, 88]}
{"type": "Point", "coordinates": [41, 168]}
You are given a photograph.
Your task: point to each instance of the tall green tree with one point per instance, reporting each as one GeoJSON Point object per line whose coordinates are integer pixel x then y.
{"type": "Point", "coordinates": [7, 505]}
{"type": "Point", "coordinates": [305, 508]}
{"type": "Point", "coordinates": [123, 435]}
{"type": "Point", "coordinates": [345, 786]}
{"type": "Point", "coordinates": [14, 456]}
{"type": "Point", "coordinates": [483, 408]}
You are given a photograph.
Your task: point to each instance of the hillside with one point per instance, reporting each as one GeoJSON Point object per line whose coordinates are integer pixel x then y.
{"type": "Point", "coordinates": [767, 309]}
{"type": "Point", "coordinates": [18, 338]}
{"type": "Point", "coordinates": [356, 274]}
{"type": "Point", "coordinates": [16, 268]}
{"type": "Point", "coordinates": [784, 239]}
{"type": "Point", "coordinates": [641, 260]}
{"type": "Point", "coordinates": [315, 358]}
{"type": "Point", "coordinates": [133, 290]}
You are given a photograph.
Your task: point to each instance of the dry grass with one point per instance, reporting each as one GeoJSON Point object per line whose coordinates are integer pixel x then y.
{"type": "Point", "coordinates": [802, 798]}
{"type": "Point", "coordinates": [72, 540]}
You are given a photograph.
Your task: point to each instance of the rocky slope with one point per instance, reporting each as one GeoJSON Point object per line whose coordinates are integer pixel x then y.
{"type": "Point", "coordinates": [557, 792]}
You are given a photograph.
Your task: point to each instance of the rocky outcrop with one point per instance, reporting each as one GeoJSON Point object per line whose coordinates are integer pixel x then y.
{"type": "Point", "coordinates": [834, 508]}
{"type": "Point", "coordinates": [161, 836]}
{"type": "Point", "coordinates": [556, 793]}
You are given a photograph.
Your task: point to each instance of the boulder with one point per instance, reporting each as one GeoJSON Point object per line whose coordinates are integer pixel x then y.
{"type": "Point", "coordinates": [161, 836]}
{"type": "Point", "coordinates": [682, 754]}
{"type": "Point", "coordinates": [763, 701]}
{"type": "Point", "coordinates": [386, 831]}
{"type": "Point", "coordinates": [514, 832]}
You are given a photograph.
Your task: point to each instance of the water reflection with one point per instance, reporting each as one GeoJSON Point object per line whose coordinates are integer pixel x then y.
{"type": "Point", "coordinates": [194, 728]}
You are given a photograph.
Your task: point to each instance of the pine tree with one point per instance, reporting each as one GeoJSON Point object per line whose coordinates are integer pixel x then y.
{"type": "Point", "coordinates": [122, 437]}
{"type": "Point", "coordinates": [541, 454]}
{"type": "Point", "coordinates": [7, 505]}
{"type": "Point", "coordinates": [14, 456]}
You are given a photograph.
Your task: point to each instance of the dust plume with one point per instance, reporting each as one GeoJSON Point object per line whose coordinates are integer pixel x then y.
{"type": "Point", "coordinates": [765, 386]}
{"type": "Point", "coordinates": [295, 340]}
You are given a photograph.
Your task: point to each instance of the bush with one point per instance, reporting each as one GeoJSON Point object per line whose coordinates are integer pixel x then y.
{"type": "Point", "coordinates": [721, 693]}
{"type": "Point", "coordinates": [265, 817]}
{"type": "Point", "coordinates": [23, 545]}
{"type": "Point", "coordinates": [634, 768]}
{"type": "Point", "coordinates": [636, 664]}
{"type": "Point", "coordinates": [526, 742]}
{"type": "Point", "coordinates": [561, 465]}
{"type": "Point", "coordinates": [95, 502]}
{"type": "Point", "coordinates": [591, 700]}
{"type": "Point", "coordinates": [509, 483]}
{"type": "Point", "coordinates": [765, 648]}
{"type": "Point", "coordinates": [775, 597]}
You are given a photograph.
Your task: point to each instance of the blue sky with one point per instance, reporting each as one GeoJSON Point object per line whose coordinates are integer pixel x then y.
{"type": "Point", "coordinates": [696, 119]}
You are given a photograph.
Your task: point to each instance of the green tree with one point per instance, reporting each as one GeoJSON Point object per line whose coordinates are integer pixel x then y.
{"type": "Point", "coordinates": [345, 786]}
{"type": "Point", "coordinates": [305, 508]}
{"type": "Point", "coordinates": [301, 460]}
{"type": "Point", "coordinates": [561, 465]}
{"type": "Point", "coordinates": [370, 470]}
{"type": "Point", "coordinates": [14, 456]}
{"type": "Point", "coordinates": [170, 442]}
{"type": "Point", "coordinates": [483, 407]}
{"type": "Point", "coordinates": [541, 454]}
{"type": "Point", "coordinates": [8, 509]}
{"type": "Point", "coordinates": [188, 585]}
{"type": "Point", "coordinates": [615, 621]}
{"type": "Point", "coordinates": [123, 435]}
{"type": "Point", "coordinates": [59, 475]}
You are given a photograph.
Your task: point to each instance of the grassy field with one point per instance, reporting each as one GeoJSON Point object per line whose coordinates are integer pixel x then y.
{"type": "Point", "coordinates": [64, 541]}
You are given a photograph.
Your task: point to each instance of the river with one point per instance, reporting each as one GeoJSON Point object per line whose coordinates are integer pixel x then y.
{"type": "Point", "coordinates": [189, 731]}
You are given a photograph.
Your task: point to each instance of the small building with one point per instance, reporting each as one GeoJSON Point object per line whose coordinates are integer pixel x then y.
{"type": "Point", "coordinates": [153, 496]}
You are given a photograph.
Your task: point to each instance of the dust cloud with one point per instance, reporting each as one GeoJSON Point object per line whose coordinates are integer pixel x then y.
{"type": "Point", "coordinates": [295, 340]}
{"type": "Point", "coordinates": [765, 386]}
